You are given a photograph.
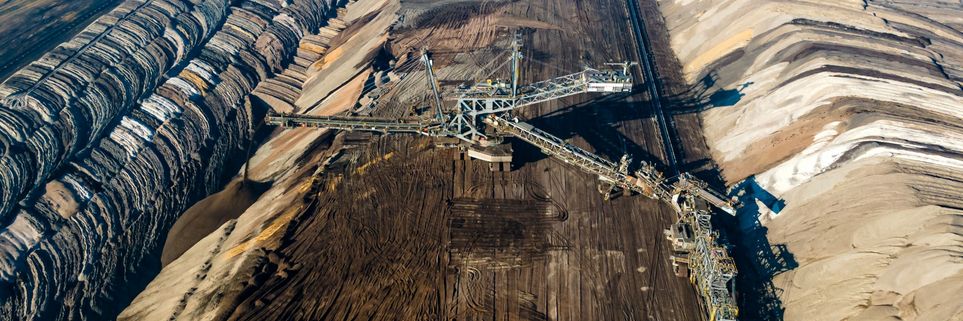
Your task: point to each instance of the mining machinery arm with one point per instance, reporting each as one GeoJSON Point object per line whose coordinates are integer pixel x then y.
{"type": "Point", "coordinates": [484, 98]}
{"type": "Point", "coordinates": [428, 127]}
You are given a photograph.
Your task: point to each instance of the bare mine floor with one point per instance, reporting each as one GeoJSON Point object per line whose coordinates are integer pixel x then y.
{"type": "Point", "coordinates": [409, 231]}
{"type": "Point", "coordinates": [402, 230]}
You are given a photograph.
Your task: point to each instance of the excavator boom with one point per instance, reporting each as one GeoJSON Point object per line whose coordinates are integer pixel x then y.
{"type": "Point", "coordinates": [382, 125]}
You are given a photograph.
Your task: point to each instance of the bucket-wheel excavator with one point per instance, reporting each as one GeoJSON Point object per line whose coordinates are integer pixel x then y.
{"type": "Point", "coordinates": [482, 116]}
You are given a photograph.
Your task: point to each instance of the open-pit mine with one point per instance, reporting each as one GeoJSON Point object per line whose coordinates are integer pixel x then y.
{"type": "Point", "coordinates": [692, 160]}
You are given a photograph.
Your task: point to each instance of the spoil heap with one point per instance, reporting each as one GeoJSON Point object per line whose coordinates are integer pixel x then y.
{"type": "Point", "coordinates": [108, 138]}
{"type": "Point", "coordinates": [849, 113]}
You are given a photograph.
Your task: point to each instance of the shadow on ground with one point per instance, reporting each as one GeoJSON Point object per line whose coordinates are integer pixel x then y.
{"type": "Point", "coordinates": [597, 122]}
{"type": "Point", "coordinates": [705, 95]}
{"type": "Point", "coordinates": [758, 261]}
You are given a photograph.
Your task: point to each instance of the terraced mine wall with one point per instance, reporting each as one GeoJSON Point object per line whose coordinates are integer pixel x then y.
{"type": "Point", "coordinates": [58, 105]}
{"type": "Point", "coordinates": [109, 137]}
{"type": "Point", "coordinates": [839, 123]}
{"type": "Point", "coordinates": [38, 26]}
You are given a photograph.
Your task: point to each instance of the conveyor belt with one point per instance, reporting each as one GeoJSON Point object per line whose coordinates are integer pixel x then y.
{"type": "Point", "coordinates": [556, 147]}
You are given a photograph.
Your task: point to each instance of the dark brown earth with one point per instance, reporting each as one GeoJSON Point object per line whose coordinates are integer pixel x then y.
{"type": "Point", "coordinates": [400, 230]}
{"type": "Point", "coordinates": [31, 28]}
{"type": "Point", "coordinates": [468, 244]}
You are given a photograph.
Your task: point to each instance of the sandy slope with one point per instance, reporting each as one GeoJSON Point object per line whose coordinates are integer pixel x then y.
{"type": "Point", "coordinates": [851, 112]}
{"type": "Point", "coordinates": [209, 214]}
{"type": "Point", "coordinates": [217, 264]}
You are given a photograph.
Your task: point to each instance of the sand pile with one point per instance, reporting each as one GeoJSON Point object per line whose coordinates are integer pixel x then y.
{"type": "Point", "coordinates": [850, 111]}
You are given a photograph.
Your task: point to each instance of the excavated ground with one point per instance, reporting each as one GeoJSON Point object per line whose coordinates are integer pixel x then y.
{"type": "Point", "coordinates": [412, 232]}
{"type": "Point", "coordinates": [467, 244]}
{"type": "Point", "coordinates": [394, 227]}
{"type": "Point", "coordinates": [409, 231]}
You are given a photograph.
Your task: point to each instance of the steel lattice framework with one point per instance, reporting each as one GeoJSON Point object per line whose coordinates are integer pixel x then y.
{"type": "Point", "coordinates": [712, 269]}
{"type": "Point", "coordinates": [607, 171]}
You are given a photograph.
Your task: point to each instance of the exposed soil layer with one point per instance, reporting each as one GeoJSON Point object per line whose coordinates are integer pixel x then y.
{"type": "Point", "coordinates": [839, 122]}
{"type": "Point", "coordinates": [468, 244]}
